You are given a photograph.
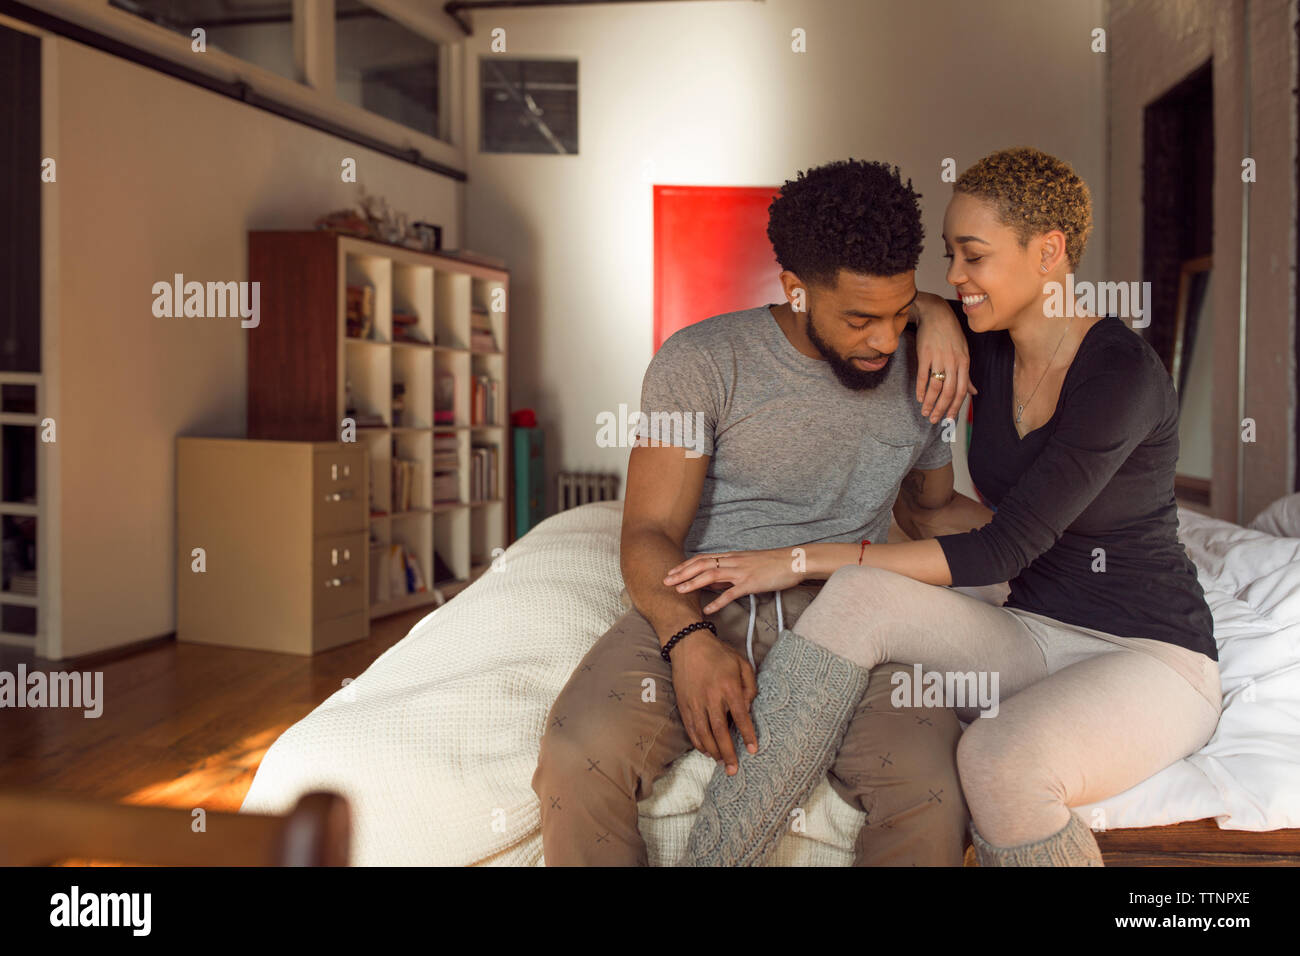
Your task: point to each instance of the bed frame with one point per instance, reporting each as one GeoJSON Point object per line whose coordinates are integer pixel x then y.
{"type": "Point", "coordinates": [1199, 843]}
{"type": "Point", "coordinates": [39, 828]}
{"type": "Point", "coordinates": [1196, 843]}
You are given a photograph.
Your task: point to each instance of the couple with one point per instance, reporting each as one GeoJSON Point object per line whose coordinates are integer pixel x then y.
{"type": "Point", "coordinates": [1104, 650]}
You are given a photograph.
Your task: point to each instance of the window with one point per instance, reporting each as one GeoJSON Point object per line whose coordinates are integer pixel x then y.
{"type": "Point", "coordinates": [529, 106]}
{"type": "Point", "coordinates": [386, 68]}
{"type": "Point", "coordinates": [258, 31]}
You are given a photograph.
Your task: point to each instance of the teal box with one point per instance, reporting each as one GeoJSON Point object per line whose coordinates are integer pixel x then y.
{"type": "Point", "coordinates": [530, 480]}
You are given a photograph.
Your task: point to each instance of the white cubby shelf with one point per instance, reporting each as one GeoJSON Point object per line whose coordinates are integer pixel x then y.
{"type": "Point", "coordinates": [437, 324]}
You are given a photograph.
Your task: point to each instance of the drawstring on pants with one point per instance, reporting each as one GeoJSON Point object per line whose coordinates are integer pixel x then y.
{"type": "Point", "coordinates": [753, 614]}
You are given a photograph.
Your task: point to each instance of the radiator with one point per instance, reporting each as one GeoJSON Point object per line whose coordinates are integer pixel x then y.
{"type": "Point", "coordinates": [575, 488]}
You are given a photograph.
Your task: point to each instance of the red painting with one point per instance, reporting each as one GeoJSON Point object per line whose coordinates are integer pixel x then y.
{"type": "Point", "coordinates": [712, 254]}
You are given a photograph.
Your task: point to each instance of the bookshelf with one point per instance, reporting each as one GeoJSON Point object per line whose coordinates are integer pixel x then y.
{"type": "Point", "coordinates": [411, 347]}
{"type": "Point", "coordinates": [22, 449]}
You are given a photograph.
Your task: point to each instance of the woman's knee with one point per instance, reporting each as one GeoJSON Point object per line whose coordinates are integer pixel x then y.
{"type": "Point", "coordinates": [997, 767]}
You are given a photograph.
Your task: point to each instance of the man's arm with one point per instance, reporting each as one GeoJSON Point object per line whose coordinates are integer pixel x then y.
{"type": "Point", "coordinates": [663, 493]}
{"type": "Point", "coordinates": [928, 505]}
{"type": "Point", "coordinates": [711, 680]}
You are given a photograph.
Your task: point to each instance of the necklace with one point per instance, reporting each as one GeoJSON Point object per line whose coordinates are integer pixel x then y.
{"type": "Point", "coordinates": [1020, 406]}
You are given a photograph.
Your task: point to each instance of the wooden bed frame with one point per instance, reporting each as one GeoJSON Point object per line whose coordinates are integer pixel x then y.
{"type": "Point", "coordinates": [42, 829]}
{"type": "Point", "coordinates": [1199, 843]}
{"type": "Point", "coordinates": [1195, 843]}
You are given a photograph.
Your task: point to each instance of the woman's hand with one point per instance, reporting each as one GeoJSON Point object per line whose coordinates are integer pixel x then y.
{"type": "Point", "coordinates": [748, 572]}
{"type": "Point", "coordinates": [940, 347]}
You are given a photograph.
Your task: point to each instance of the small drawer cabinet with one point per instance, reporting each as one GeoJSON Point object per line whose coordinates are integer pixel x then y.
{"type": "Point", "coordinates": [272, 544]}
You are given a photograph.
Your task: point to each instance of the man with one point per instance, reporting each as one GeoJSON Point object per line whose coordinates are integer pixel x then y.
{"type": "Point", "coordinates": [810, 424]}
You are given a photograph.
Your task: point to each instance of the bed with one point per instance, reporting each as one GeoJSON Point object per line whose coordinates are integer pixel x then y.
{"type": "Point", "coordinates": [435, 744]}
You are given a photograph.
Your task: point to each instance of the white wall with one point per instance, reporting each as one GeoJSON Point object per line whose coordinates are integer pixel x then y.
{"type": "Point", "coordinates": [710, 93]}
{"type": "Point", "coordinates": [156, 177]}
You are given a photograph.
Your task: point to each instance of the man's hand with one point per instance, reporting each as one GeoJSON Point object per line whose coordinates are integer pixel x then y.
{"type": "Point", "coordinates": [940, 347]}
{"type": "Point", "coordinates": [711, 681]}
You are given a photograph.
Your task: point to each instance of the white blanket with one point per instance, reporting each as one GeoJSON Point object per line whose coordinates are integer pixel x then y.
{"type": "Point", "coordinates": [1248, 775]}
{"type": "Point", "coordinates": [435, 744]}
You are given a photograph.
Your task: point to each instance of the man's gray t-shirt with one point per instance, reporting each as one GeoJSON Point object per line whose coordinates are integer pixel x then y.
{"type": "Point", "coordinates": [797, 458]}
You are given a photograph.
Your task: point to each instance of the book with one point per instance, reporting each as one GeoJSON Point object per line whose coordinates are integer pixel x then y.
{"type": "Point", "coordinates": [414, 579]}
{"type": "Point", "coordinates": [481, 336]}
{"type": "Point", "coordinates": [407, 475]}
{"type": "Point", "coordinates": [399, 403]}
{"type": "Point", "coordinates": [485, 394]}
{"type": "Point", "coordinates": [396, 571]}
{"type": "Point", "coordinates": [444, 396]}
{"type": "Point", "coordinates": [483, 473]}
{"type": "Point", "coordinates": [408, 333]}
{"type": "Point", "coordinates": [446, 487]}
{"type": "Point", "coordinates": [360, 310]}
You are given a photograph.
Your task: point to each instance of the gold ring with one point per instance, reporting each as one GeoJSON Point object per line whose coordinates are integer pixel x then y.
{"type": "Point", "coordinates": [938, 376]}
{"type": "Point", "coordinates": [717, 564]}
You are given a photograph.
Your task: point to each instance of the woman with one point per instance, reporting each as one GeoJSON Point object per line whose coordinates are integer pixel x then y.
{"type": "Point", "coordinates": [1104, 651]}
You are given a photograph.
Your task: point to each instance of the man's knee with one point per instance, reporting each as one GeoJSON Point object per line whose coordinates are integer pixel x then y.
{"type": "Point", "coordinates": [592, 744]}
{"type": "Point", "coordinates": [896, 758]}
{"type": "Point", "coordinates": [901, 771]}
{"type": "Point", "coordinates": [575, 742]}
{"type": "Point", "coordinates": [558, 751]}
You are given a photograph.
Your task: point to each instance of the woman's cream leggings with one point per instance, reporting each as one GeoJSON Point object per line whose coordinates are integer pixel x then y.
{"type": "Point", "coordinates": [1081, 715]}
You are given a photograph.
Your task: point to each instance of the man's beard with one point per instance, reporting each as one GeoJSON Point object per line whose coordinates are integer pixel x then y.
{"type": "Point", "coordinates": [850, 375]}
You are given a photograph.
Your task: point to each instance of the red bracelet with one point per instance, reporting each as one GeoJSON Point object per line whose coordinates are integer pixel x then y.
{"type": "Point", "coordinates": [862, 550]}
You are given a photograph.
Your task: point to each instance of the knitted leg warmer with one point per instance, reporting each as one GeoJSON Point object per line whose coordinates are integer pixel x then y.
{"type": "Point", "coordinates": [806, 699]}
{"type": "Point", "coordinates": [1072, 845]}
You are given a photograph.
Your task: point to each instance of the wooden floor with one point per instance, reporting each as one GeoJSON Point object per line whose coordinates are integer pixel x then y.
{"type": "Point", "coordinates": [184, 725]}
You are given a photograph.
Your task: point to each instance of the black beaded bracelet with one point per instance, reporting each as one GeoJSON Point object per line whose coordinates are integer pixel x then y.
{"type": "Point", "coordinates": [663, 652]}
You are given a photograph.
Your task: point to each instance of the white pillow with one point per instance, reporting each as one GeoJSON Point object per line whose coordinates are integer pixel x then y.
{"type": "Point", "coordinates": [1280, 519]}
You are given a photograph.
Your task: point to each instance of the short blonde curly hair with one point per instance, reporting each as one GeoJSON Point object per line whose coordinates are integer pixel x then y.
{"type": "Point", "coordinates": [1034, 193]}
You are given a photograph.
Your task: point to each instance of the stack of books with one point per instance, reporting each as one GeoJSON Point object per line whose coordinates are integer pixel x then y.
{"type": "Point", "coordinates": [484, 401]}
{"type": "Point", "coordinates": [446, 468]}
{"type": "Point", "coordinates": [406, 327]}
{"type": "Point", "coordinates": [22, 582]}
{"type": "Point", "coordinates": [368, 419]}
{"type": "Point", "coordinates": [406, 482]}
{"type": "Point", "coordinates": [483, 473]}
{"type": "Point", "coordinates": [481, 338]}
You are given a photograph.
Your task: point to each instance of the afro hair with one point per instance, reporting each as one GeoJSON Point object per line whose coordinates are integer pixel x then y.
{"type": "Point", "coordinates": [855, 215]}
